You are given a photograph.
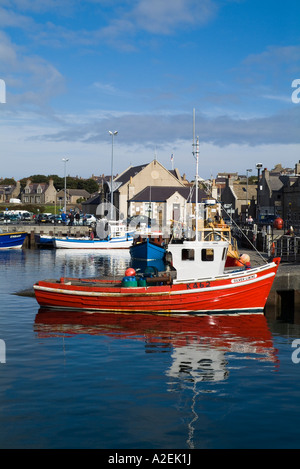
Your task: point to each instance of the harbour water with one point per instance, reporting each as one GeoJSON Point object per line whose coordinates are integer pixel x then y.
{"type": "Point", "coordinates": [70, 380]}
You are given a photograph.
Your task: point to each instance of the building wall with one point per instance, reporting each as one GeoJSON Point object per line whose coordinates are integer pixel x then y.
{"type": "Point", "coordinates": [291, 204]}
{"type": "Point", "coordinates": [154, 174]}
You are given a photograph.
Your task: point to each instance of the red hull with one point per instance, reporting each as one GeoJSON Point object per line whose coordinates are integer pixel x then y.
{"type": "Point", "coordinates": [244, 291]}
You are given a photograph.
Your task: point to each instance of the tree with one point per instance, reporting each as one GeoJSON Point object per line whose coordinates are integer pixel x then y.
{"type": "Point", "coordinates": [8, 182]}
{"type": "Point", "coordinates": [91, 186]}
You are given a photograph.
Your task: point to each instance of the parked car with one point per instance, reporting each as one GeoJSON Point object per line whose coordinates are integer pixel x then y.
{"type": "Point", "coordinates": [26, 216]}
{"type": "Point", "coordinates": [56, 219]}
{"type": "Point", "coordinates": [11, 218]}
{"type": "Point", "coordinates": [42, 218]}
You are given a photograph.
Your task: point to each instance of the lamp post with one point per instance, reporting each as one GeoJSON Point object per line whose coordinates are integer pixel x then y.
{"type": "Point", "coordinates": [112, 175]}
{"type": "Point", "coordinates": [65, 177]}
{"type": "Point", "coordinates": [258, 167]}
{"type": "Point", "coordinates": [247, 208]}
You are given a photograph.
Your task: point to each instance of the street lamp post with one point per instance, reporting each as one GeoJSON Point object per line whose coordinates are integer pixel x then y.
{"type": "Point", "coordinates": [65, 177]}
{"type": "Point", "coordinates": [258, 167]}
{"type": "Point", "coordinates": [112, 175]}
{"type": "Point", "coordinates": [247, 208]}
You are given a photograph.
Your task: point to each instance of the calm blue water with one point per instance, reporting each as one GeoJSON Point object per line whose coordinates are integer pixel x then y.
{"type": "Point", "coordinates": [117, 382]}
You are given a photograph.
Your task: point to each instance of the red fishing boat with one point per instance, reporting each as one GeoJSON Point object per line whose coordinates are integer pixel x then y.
{"type": "Point", "coordinates": [195, 281]}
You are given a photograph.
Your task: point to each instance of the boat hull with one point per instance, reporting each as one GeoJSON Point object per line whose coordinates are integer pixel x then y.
{"type": "Point", "coordinates": [44, 240]}
{"type": "Point", "coordinates": [87, 243]}
{"type": "Point", "coordinates": [13, 240]}
{"type": "Point", "coordinates": [246, 291]}
{"type": "Point", "coordinates": [147, 250]}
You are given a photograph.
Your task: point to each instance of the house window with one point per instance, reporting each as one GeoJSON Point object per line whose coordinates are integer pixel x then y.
{"type": "Point", "coordinates": [188, 255]}
{"type": "Point", "coordinates": [207, 255]}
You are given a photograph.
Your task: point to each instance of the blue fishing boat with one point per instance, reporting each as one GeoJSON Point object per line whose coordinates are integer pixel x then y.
{"type": "Point", "coordinates": [44, 241]}
{"type": "Point", "coordinates": [148, 249]}
{"type": "Point", "coordinates": [12, 240]}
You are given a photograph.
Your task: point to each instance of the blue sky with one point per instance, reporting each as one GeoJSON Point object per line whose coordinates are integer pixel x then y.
{"type": "Point", "coordinates": [76, 69]}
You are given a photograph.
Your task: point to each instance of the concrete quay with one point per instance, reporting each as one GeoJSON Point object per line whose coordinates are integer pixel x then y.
{"type": "Point", "coordinates": [43, 229]}
{"type": "Point", "coordinates": [284, 299]}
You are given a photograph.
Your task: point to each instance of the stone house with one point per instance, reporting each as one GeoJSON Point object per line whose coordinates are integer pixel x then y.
{"type": "Point", "coordinates": [278, 193]}
{"type": "Point", "coordinates": [38, 193]}
{"type": "Point", "coordinates": [165, 205]}
{"type": "Point", "coordinates": [291, 199]}
{"type": "Point", "coordinates": [135, 179]}
{"type": "Point", "coordinates": [237, 198]}
{"type": "Point", "coordinates": [72, 196]}
{"type": "Point", "coordinates": [8, 192]}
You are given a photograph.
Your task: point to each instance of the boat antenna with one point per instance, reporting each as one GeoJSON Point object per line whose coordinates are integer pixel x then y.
{"type": "Point", "coordinates": [196, 156]}
{"type": "Point", "coordinates": [194, 122]}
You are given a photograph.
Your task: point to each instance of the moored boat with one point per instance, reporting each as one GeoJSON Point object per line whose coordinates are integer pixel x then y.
{"type": "Point", "coordinates": [88, 243]}
{"type": "Point", "coordinates": [13, 240]}
{"type": "Point", "coordinates": [195, 283]}
{"type": "Point", "coordinates": [43, 240]}
{"type": "Point", "coordinates": [147, 249]}
{"type": "Point", "coordinates": [115, 236]}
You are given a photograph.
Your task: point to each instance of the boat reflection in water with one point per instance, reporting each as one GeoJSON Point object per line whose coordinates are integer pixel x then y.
{"type": "Point", "coordinates": [88, 262]}
{"type": "Point", "coordinates": [201, 348]}
{"type": "Point", "coordinates": [197, 343]}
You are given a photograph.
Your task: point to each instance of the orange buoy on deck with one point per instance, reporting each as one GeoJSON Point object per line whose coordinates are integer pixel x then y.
{"type": "Point", "coordinates": [130, 272]}
{"type": "Point", "coordinates": [244, 260]}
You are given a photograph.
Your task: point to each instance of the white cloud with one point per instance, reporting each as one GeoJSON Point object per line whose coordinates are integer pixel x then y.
{"type": "Point", "coordinates": [163, 17]}
{"type": "Point", "coordinates": [163, 128]}
{"type": "Point", "coordinates": [275, 55]}
{"type": "Point", "coordinates": [119, 29]}
{"type": "Point", "coordinates": [8, 54]}
{"type": "Point", "coordinates": [30, 79]}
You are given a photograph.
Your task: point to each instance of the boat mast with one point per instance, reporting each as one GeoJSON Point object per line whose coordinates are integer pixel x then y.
{"type": "Point", "coordinates": [196, 155]}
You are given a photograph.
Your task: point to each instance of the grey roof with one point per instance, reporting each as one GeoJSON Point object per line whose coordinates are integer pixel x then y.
{"type": "Point", "coordinates": [240, 191]}
{"type": "Point", "coordinates": [130, 172]}
{"type": "Point", "coordinates": [96, 200]}
{"type": "Point", "coordinates": [162, 193]}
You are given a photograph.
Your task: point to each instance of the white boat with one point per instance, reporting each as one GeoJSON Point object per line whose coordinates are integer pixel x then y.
{"type": "Point", "coordinates": [121, 242]}
{"type": "Point", "coordinates": [112, 235]}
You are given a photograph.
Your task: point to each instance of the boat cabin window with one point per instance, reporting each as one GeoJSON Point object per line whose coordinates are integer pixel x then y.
{"type": "Point", "coordinates": [224, 254]}
{"type": "Point", "coordinates": [188, 255]}
{"type": "Point", "coordinates": [207, 255]}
